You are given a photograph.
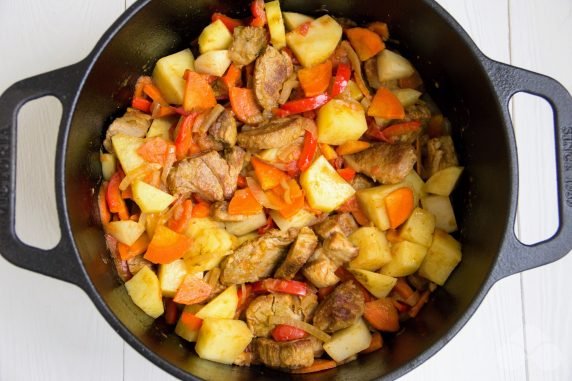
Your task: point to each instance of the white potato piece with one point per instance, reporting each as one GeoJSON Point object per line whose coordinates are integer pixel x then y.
{"type": "Point", "coordinates": [441, 208]}
{"type": "Point", "coordinates": [417, 185]}
{"type": "Point", "coordinates": [391, 65]}
{"type": "Point", "coordinates": [145, 292]}
{"type": "Point", "coordinates": [222, 340]}
{"type": "Point", "coordinates": [171, 276]}
{"type": "Point", "coordinates": [188, 333]}
{"type": "Point", "coordinates": [221, 307]}
{"type": "Point", "coordinates": [214, 62]}
{"type": "Point", "coordinates": [407, 97]}
{"type": "Point", "coordinates": [373, 247]}
{"type": "Point", "coordinates": [125, 148]}
{"type": "Point", "coordinates": [149, 198]}
{"type": "Point", "coordinates": [441, 259]}
{"type": "Point", "coordinates": [340, 121]}
{"type": "Point", "coordinates": [378, 284]}
{"type": "Point", "coordinates": [324, 188]}
{"type": "Point", "coordinates": [293, 20]}
{"type": "Point", "coordinates": [250, 224]}
{"type": "Point", "coordinates": [108, 165]}
{"type": "Point", "coordinates": [348, 341]}
{"type": "Point", "coordinates": [197, 225]}
{"type": "Point", "coordinates": [215, 36]}
{"type": "Point", "coordinates": [275, 24]}
{"type": "Point", "coordinates": [168, 75]}
{"type": "Point", "coordinates": [318, 43]}
{"type": "Point", "coordinates": [372, 202]}
{"type": "Point", "coordinates": [161, 128]}
{"type": "Point", "coordinates": [126, 232]}
{"type": "Point", "coordinates": [443, 182]}
{"type": "Point", "coordinates": [406, 259]}
{"type": "Point", "coordinates": [419, 227]}
{"type": "Point", "coordinates": [299, 220]}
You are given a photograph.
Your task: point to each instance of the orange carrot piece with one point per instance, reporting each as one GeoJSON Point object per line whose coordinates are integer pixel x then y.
{"type": "Point", "coordinates": [318, 366]}
{"type": "Point", "coordinates": [199, 95]}
{"type": "Point", "coordinates": [375, 344]}
{"type": "Point", "coordinates": [190, 321]}
{"type": "Point", "coordinates": [315, 80]}
{"type": "Point", "coordinates": [267, 175]}
{"type": "Point", "coordinates": [328, 152]}
{"type": "Point", "coordinates": [380, 28]}
{"type": "Point", "coordinates": [399, 205]}
{"type": "Point", "coordinates": [232, 76]}
{"type": "Point", "coordinates": [386, 105]}
{"type": "Point", "coordinates": [382, 315]}
{"type": "Point", "coordinates": [154, 150]}
{"type": "Point", "coordinates": [140, 84]}
{"type": "Point", "coordinates": [138, 248]}
{"type": "Point", "coordinates": [403, 288]}
{"type": "Point", "coordinates": [244, 104]}
{"type": "Point", "coordinates": [351, 147]}
{"type": "Point", "coordinates": [365, 42]}
{"type": "Point", "coordinates": [181, 217]}
{"type": "Point", "coordinates": [201, 209]}
{"type": "Point", "coordinates": [289, 204]}
{"type": "Point", "coordinates": [192, 291]}
{"type": "Point", "coordinates": [104, 214]}
{"type": "Point", "coordinates": [113, 196]}
{"type": "Point", "coordinates": [420, 303]}
{"type": "Point", "coordinates": [167, 246]}
{"type": "Point", "coordinates": [243, 202]}
{"type": "Point", "coordinates": [347, 174]}
{"type": "Point", "coordinates": [154, 93]}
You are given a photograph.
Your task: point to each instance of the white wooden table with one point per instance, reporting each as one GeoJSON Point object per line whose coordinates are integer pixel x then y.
{"type": "Point", "coordinates": [50, 330]}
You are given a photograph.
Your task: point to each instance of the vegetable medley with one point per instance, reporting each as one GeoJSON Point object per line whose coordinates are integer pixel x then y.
{"type": "Point", "coordinates": [282, 199]}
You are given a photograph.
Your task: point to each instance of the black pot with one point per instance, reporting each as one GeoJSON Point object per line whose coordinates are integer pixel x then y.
{"type": "Point", "coordinates": [472, 90]}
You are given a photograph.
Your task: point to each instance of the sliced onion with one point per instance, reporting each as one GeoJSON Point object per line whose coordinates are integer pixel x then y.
{"type": "Point", "coordinates": [170, 159]}
{"type": "Point", "coordinates": [211, 118]}
{"type": "Point", "coordinates": [259, 194]}
{"type": "Point", "coordinates": [214, 275]}
{"type": "Point", "coordinates": [138, 173]}
{"type": "Point", "coordinates": [319, 334]}
{"type": "Point", "coordinates": [290, 84]}
{"type": "Point", "coordinates": [356, 66]}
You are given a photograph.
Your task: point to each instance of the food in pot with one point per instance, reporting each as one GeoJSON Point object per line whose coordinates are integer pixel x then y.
{"type": "Point", "coordinates": [284, 198]}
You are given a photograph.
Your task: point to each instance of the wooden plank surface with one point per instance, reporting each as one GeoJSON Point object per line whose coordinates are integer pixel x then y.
{"type": "Point", "coordinates": [518, 332]}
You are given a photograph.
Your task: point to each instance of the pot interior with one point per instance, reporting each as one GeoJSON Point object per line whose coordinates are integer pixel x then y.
{"type": "Point", "coordinates": [453, 76]}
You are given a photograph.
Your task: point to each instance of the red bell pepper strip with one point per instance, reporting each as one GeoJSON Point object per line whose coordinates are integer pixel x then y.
{"type": "Point", "coordinates": [347, 174]}
{"type": "Point", "coordinates": [229, 22]}
{"type": "Point", "coordinates": [258, 13]}
{"type": "Point", "coordinates": [374, 132]}
{"type": "Point", "coordinates": [292, 287]}
{"type": "Point", "coordinates": [283, 332]}
{"type": "Point", "coordinates": [392, 133]}
{"type": "Point", "coordinates": [141, 104]}
{"type": "Point", "coordinates": [308, 151]}
{"type": "Point", "coordinates": [341, 80]}
{"type": "Point", "coordinates": [184, 138]}
{"type": "Point", "coordinates": [154, 93]}
{"type": "Point", "coordinates": [299, 106]}
{"type": "Point", "coordinates": [232, 76]}
{"type": "Point", "coordinates": [269, 225]}
{"type": "Point", "coordinates": [115, 202]}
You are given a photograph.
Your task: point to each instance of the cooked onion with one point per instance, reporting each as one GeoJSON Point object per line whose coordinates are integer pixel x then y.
{"type": "Point", "coordinates": [319, 334]}
{"type": "Point", "coordinates": [290, 84]}
{"type": "Point", "coordinates": [138, 173]}
{"type": "Point", "coordinates": [259, 194]}
{"type": "Point", "coordinates": [211, 118]}
{"type": "Point", "coordinates": [214, 275]}
{"type": "Point", "coordinates": [356, 66]}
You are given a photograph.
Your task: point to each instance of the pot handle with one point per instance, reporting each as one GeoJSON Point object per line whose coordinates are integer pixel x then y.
{"type": "Point", "coordinates": [60, 261]}
{"type": "Point", "coordinates": [509, 80]}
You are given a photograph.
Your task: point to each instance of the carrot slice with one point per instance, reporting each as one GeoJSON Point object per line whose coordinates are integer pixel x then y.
{"type": "Point", "coordinates": [318, 366]}
{"type": "Point", "coordinates": [315, 80]}
{"type": "Point", "coordinates": [167, 246]}
{"type": "Point", "coordinates": [347, 174]}
{"type": "Point", "coordinates": [402, 288]}
{"type": "Point", "coordinates": [375, 344]}
{"type": "Point", "coordinates": [365, 42]}
{"type": "Point", "coordinates": [192, 291]}
{"type": "Point", "coordinates": [244, 104]}
{"type": "Point", "coordinates": [243, 202]}
{"type": "Point", "coordinates": [351, 147]}
{"type": "Point", "coordinates": [138, 248]}
{"type": "Point", "coordinates": [181, 217]}
{"type": "Point", "coordinates": [268, 176]}
{"type": "Point", "coordinates": [232, 76]}
{"type": "Point", "coordinates": [154, 93]}
{"type": "Point", "coordinates": [386, 105]}
{"type": "Point", "coordinates": [420, 303]}
{"type": "Point", "coordinates": [154, 150]}
{"type": "Point", "coordinates": [399, 205]}
{"type": "Point", "coordinates": [382, 315]}
{"type": "Point", "coordinates": [290, 202]}
{"type": "Point", "coordinates": [201, 209]}
{"type": "Point", "coordinates": [190, 321]}
{"type": "Point", "coordinates": [199, 95]}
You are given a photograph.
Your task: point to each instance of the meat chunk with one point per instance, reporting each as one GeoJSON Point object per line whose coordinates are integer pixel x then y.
{"type": "Point", "coordinates": [339, 223]}
{"type": "Point", "coordinates": [209, 175]}
{"type": "Point", "coordinates": [272, 69]}
{"type": "Point", "coordinates": [386, 163]}
{"type": "Point", "coordinates": [247, 43]}
{"type": "Point", "coordinates": [285, 355]}
{"type": "Point", "coordinates": [258, 258]}
{"type": "Point", "coordinates": [341, 309]}
{"type": "Point", "coordinates": [320, 270]}
{"type": "Point", "coordinates": [361, 182]}
{"type": "Point", "coordinates": [299, 253]}
{"type": "Point", "coordinates": [132, 123]}
{"type": "Point", "coordinates": [418, 111]}
{"type": "Point", "coordinates": [274, 134]}
{"type": "Point", "coordinates": [440, 155]}
{"type": "Point", "coordinates": [224, 129]}
{"type": "Point", "coordinates": [261, 309]}
{"type": "Point", "coordinates": [220, 213]}
{"type": "Point", "coordinates": [207, 142]}
{"type": "Point", "coordinates": [370, 68]}
{"type": "Point", "coordinates": [339, 249]}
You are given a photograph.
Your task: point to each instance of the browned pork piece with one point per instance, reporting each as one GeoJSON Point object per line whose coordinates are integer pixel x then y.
{"type": "Point", "coordinates": [261, 309]}
{"type": "Point", "coordinates": [370, 69]}
{"type": "Point", "coordinates": [341, 309]}
{"type": "Point", "coordinates": [320, 270]}
{"type": "Point", "coordinates": [341, 223]}
{"type": "Point", "coordinates": [339, 249]}
{"type": "Point", "coordinates": [133, 123]}
{"type": "Point", "coordinates": [299, 253]}
{"type": "Point", "coordinates": [247, 43]}
{"type": "Point", "coordinates": [209, 175]}
{"type": "Point", "coordinates": [224, 129]}
{"type": "Point", "coordinates": [274, 134]}
{"type": "Point", "coordinates": [361, 182]}
{"type": "Point", "coordinates": [285, 355]}
{"type": "Point", "coordinates": [418, 111]}
{"type": "Point", "coordinates": [440, 155]}
{"type": "Point", "coordinates": [272, 69]}
{"type": "Point", "coordinates": [257, 259]}
{"type": "Point", "coordinates": [383, 162]}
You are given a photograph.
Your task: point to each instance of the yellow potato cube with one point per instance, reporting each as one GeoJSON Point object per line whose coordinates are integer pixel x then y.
{"type": "Point", "coordinates": [318, 43]}
{"type": "Point", "coordinates": [373, 249]}
{"type": "Point", "coordinates": [293, 20]}
{"type": "Point", "coordinates": [171, 276]}
{"type": "Point", "coordinates": [249, 224]}
{"type": "Point", "coordinates": [406, 259]}
{"type": "Point", "coordinates": [222, 340]}
{"type": "Point", "coordinates": [125, 148]}
{"type": "Point", "coordinates": [414, 181]}
{"type": "Point", "coordinates": [340, 121]}
{"type": "Point", "coordinates": [441, 259]}
{"type": "Point", "coordinates": [407, 97]}
{"type": "Point", "coordinates": [145, 292]}
{"type": "Point", "coordinates": [214, 62]}
{"type": "Point", "coordinates": [215, 36]}
{"type": "Point", "coordinates": [372, 202]}
{"type": "Point", "coordinates": [161, 128]}
{"type": "Point", "coordinates": [149, 198]}
{"type": "Point", "coordinates": [392, 66]}
{"type": "Point", "coordinates": [418, 228]}
{"type": "Point", "coordinates": [126, 232]}
{"type": "Point", "coordinates": [183, 330]}
{"type": "Point", "coordinates": [108, 164]}
{"type": "Point", "coordinates": [299, 220]}
{"type": "Point", "coordinates": [378, 284]}
{"type": "Point", "coordinates": [275, 24]}
{"type": "Point", "coordinates": [348, 341]}
{"type": "Point", "coordinates": [443, 182]}
{"type": "Point", "coordinates": [221, 307]}
{"type": "Point", "coordinates": [441, 208]}
{"type": "Point", "coordinates": [168, 75]}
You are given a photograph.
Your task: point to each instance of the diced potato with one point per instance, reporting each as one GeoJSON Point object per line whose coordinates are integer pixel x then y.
{"type": "Point", "coordinates": [197, 225]}
{"type": "Point", "coordinates": [222, 340]}
{"type": "Point", "coordinates": [441, 259]}
{"type": "Point", "coordinates": [275, 24]}
{"type": "Point", "coordinates": [339, 121]}
{"type": "Point", "coordinates": [145, 292]}
{"type": "Point", "coordinates": [318, 43]}
{"type": "Point", "coordinates": [171, 276]}
{"type": "Point", "coordinates": [149, 198]}
{"type": "Point", "coordinates": [378, 284]}
{"type": "Point", "coordinates": [407, 97]}
{"type": "Point", "coordinates": [348, 341]}
{"type": "Point", "coordinates": [373, 249]}
{"type": "Point", "coordinates": [215, 36]}
{"type": "Point", "coordinates": [245, 238]}
{"type": "Point", "coordinates": [125, 148]}
{"type": "Point", "coordinates": [391, 65]}
{"type": "Point", "coordinates": [354, 90]}
{"type": "Point", "coordinates": [324, 188]}
{"type": "Point", "coordinates": [126, 232]}
{"type": "Point", "coordinates": [270, 155]}
{"type": "Point", "coordinates": [209, 248]}
{"type": "Point", "coordinates": [161, 128]}
{"type": "Point", "coordinates": [168, 75]}
{"type": "Point", "coordinates": [443, 182]}
{"type": "Point", "coordinates": [441, 208]}
{"type": "Point", "coordinates": [418, 228]}
{"type": "Point", "coordinates": [221, 307]}
{"type": "Point", "coordinates": [214, 62]}
{"type": "Point", "coordinates": [184, 331]}
{"type": "Point", "coordinates": [406, 259]}
{"type": "Point", "coordinates": [108, 165]}
{"type": "Point", "coordinates": [293, 20]}
{"type": "Point", "coordinates": [372, 202]}
{"type": "Point", "coordinates": [250, 224]}
{"type": "Point", "coordinates": [414, 181]}
{"type": "Point", "coordinates": [299, 220]}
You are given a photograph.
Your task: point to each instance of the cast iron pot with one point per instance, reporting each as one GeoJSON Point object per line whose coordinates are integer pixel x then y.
{"type": "Point", "coordinates": [472, 90]}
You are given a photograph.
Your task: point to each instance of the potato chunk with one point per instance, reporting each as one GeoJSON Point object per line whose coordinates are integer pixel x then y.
{"type": "Point", "coordinates": [318, 43]}
{"type": "Point", "coordinates": [161, 127]}
{"type": "Point", "coordinates": [222, 340]}
{"type": "Point", "coordinates": [222, 307]}
{"type": "Point", "coordinates": [149, 198]}
{"type": "Point", "coordinates": [378, 284]}
{"type": "Point", "coordinates": [168, 75]}
{"type": "Point", "coordinates": [171, 276]}
{"type": "Point", "coordinates": [275, 24]}
{"type": "Point", "coordinates": [250, 224]}
{"type": "Point", "coordinates": [293, 20]}
{"type": "Point", "coordinates": [125, 148]}
{"type": "Point", "coordinates": [406, 259]}
{"type": "Point", "coordinates": [348, 341]}
{"type": "Point", "coordinates": [145, 292]}
{"type": "Point", "coordinates": [441, 259]}
{"type": "Point", "coordinates": [372, 202]}
{"type": "Point", "coordinates": [214, 62]}
{"type": "Point", "coordinates": [189, 333]}
{"type": "Point", "coordinates": [443, 182]}
{"type": "Point", "coordinates": [126, 232]}
{"type": "Point", "coordinates": [340, 121]}
{"type": "Point", "coordinates": [441, 208]}
{"type": "Point", "coordinates": [419, 227]}
{"type": "Point", "coordinates": [373, 249]}
{"type": "Point", "coordinates": [299, 220]}
{"type": "Point", "coordinates": [392, 66]}
{"type": "Point", "coordinates": [325, 189]}
{"type": "Point", "coordinates": [215, 36]}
